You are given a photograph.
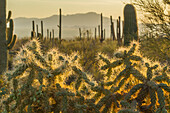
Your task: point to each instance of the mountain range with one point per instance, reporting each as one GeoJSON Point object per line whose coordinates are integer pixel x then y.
{"type": "Point", "coordinates": [70, 24]}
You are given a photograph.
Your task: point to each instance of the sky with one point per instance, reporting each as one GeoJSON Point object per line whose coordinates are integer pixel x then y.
{"type": "Point", "coordinates": [46, 8]}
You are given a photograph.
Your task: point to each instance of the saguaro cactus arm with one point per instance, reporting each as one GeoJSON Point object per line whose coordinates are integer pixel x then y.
{"type": "Point", "coordinates": [11, 39]}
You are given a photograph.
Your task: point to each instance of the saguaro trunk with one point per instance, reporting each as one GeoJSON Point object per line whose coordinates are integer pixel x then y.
{"type": "Point", "coordinates": [80, 32]}
{"type": "Point", "coordinates": [3, 44]}
{"type": "Point", "coordinates": [101, 39]}
{"type": "Point", "coordinates": [95, 36]}
{"type": "Point", "coordinates": [99, 31]}
{"type": "Point", "coordinates": [42, 32]}
{"type": "Point", "coordinates": [60, 27]}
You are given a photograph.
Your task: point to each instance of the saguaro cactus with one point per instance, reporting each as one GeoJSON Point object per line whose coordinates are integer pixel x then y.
{"type": "Point", "coordinates": [80, 32]}
{"type": "Point", "coordinates": [119, 39]}
{"type": "Point", "coordinates": [95, 31]}
{"type": "Point", "coordinates": [87, 34]}
{"type": "Point", "coordinates": [101, 39]}
{"type": "Point", "coordinates": [50, 35]}
{"type": "Point", "coordinates": [53, 33]}
{"type": "Point", "coordinates": [7, 39]}
{"type": "Point", "coordinates": [3, 48]}
{"type": "Point", "coordinates": [37, 30]}
{"type": "Point", "coordinates": [99, 30]}
{"type": "Point", "coordinates": [60, 26]}
{"type": "Point", "coordinates": [33, 30]}
{"type": "Point", "coordinates": [130, 29]}
{"type": "Point", "coordinates": [53, 37]}
{"type": "Point", "coordinates": [112, 29]}
{"type": "Point", "coordinates": [104, 34]}
{"type": "Point", "coordinates": [47, 33]}
{"type": "Point", "coordinates": [42, 31]}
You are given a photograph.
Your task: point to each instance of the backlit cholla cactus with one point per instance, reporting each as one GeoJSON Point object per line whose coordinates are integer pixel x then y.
{"type": "Point", "coordinates": [151, 87]}
{"type": "Point", "coordinates": [34, 77]}
{"type": "Point", "coordinates": [127, 61]}
{"type": "Point", "coordinates": [127, 70]}
{"type": "Point", "coordinates": [55, 82]}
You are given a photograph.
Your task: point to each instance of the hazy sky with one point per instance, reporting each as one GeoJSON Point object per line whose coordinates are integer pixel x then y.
{"type": "Point", "coordinates": [46, 8]}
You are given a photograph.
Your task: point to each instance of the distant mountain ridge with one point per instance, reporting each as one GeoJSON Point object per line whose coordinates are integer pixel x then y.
{"type": "Point", "coordinates": [70, 22]}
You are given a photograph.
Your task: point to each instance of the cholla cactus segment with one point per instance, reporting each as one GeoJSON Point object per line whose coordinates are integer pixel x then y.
{"type": "Point", "coordinates": [132, 50]}
{"type": "Point", "coordinates": [138, 75]}
{"type": "Point", "coordinates": [112, 65]}
{"type": "Point", "coordinates": [127, 108]}
{"type": "Point", "coordinates": [165, 87]}
{"type": "Point", "coordinates": [125, 104]}
{"type": "Point", "coordinates": [128, 111]}
{"type": "Point", "coordinates": [161, 98]}
{"type": "Point", "coordinates": [162, 78]}
{"type": "Point", "coordinates": [149, 71]}
{"type": "Point", "coordinates": [153, 97]}
{"type": "Point", "coordinates": [19, 71]}
{"type": "Point", "coordinates": [104, 59]}
{"type": "Point", "coordinates": [122, 82]}
{"type": "Point", "coordinates": [82, 77]}
{"type": "Point", "coordinates": [133, 90]}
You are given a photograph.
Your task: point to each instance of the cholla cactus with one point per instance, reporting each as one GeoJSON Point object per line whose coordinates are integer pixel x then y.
{"type": "Point", "coordinates": [150, 83]}
{"type": "Point", "coordinates": [55, 82]}
{"type": "Point", "coordinates": [34, 76]}
{"type": "Point", "coordinates": [125, 59]}
{"type": "Point", "coordinates": [150, 87]}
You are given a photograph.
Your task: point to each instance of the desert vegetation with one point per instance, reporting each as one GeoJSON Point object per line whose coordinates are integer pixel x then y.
{"type": "Point", "coordinates": [125, 73]}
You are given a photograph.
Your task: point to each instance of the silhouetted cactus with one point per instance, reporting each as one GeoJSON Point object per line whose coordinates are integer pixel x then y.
{"type": "Point", "coordinates": [37, 30]}
{"type": "Point", "coordinates": [95, 33]}
{"type": "Point", "coordinates": [33, 34]}
{"type": "Point", "coordinates": [48, 35]}
{"type": "Point", "coordinates": [7, 37]}
{"type": "Point", "coordinates": [101, 38]}
{"type": "Point", "coordinates": [130, 29]}
{"type": "Point", "coordinates": [149, 87]}
{"type": "Point", "coordinates": [119, 38]}
{"type": "Point", "coordinates": [60, 25]}
{"type": "Point", "coordinates": [80, 33]}
{"type": "Point", "coordinates": [99, 31]}
{"type": "Point", "coordinates": [42, 30]}
{"type": "Point", "coordinates": [112, 29]}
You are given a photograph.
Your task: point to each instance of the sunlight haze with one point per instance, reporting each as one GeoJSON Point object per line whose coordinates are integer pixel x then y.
{"type": "Point", "coordinates": [46, 8]}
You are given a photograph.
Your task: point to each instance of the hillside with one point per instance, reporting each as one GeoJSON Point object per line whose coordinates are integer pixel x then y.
{"type": "Point", "coordinates": [71, 23]}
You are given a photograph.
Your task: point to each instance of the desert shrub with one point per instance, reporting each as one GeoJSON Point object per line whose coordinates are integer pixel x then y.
{"type": "Point", "coordinates": [157, 49]}
{"type": "Point", "coordinates": [43, 82]}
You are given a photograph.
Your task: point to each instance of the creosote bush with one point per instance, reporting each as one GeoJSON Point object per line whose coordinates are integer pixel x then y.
{"type": "Point", "coordinates": [45, 82]}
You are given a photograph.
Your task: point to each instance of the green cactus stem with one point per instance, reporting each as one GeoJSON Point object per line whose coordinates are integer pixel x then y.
{"type": "Point", "coordinates": [6, 36]}
{"type": "Point", "coordinates": [3, 48]}
{"type": "Point", "coordinates": [80, 32]}
{"type": "Point", "coordinates": [104, 34]}
{"type": "Point", "coordinates": [99, 30]}
{"type": "Point", "coordinates": [33, 34]}
{"type": "Point", "coordinates": [60, 25]}
{"type": "Point", "coordinates": [88, 34]}
{"type": "Point", "coordinates": [42, 32]}
{"type": "Point", "coordinates": [112, 29]}
{"type": "Point", "coordinates": [50, 35]}
{"type": "Point", "coordinates": [95, 31]}
{"type": "Point", "coordinates": [47, 33]}
{"type": "Point", "coordinates": [37, 30]}
{"type": "Point", "coordinates": [102, 38]}
{"type": "Point", "coordinates": [130, 30]}
{"type": "Point", "coordinates": [119, 39]}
